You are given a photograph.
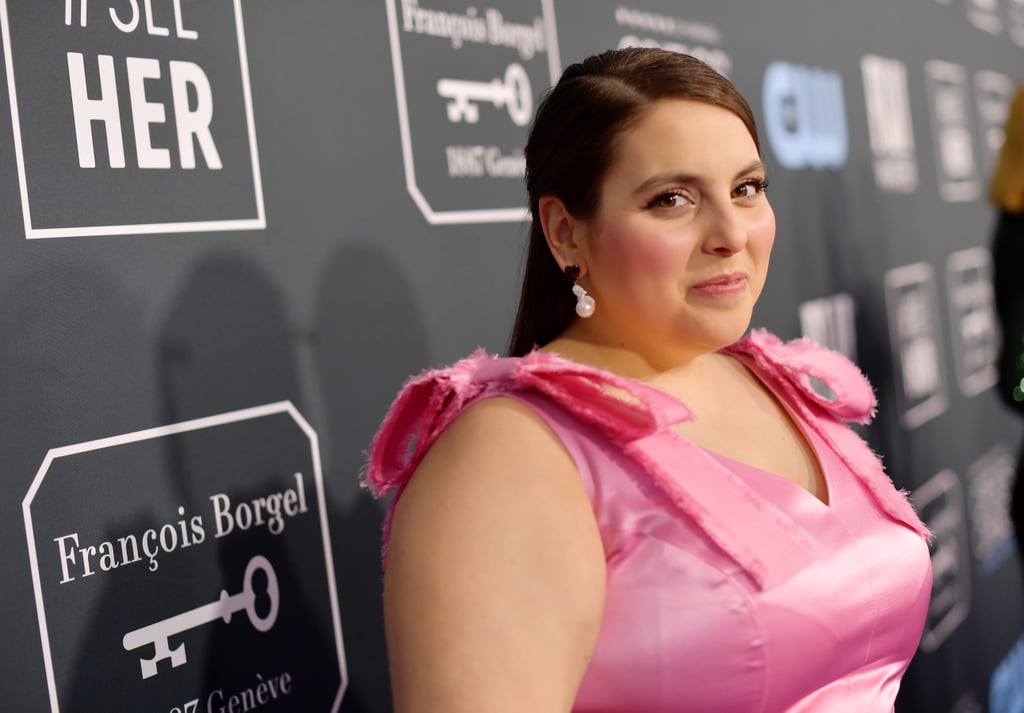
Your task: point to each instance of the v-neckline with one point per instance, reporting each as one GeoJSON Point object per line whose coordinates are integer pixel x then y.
{"type": "Point", "coordinates": [777, 480]}
{"type": "Point", "coordinates": [814, 443]}
{"type": "Point", "coordinates": [750, 365]}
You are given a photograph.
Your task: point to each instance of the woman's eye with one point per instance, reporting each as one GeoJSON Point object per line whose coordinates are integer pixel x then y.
{"type": "Point", "coordinates": [750, 188]}
{"type": "Point", "coordinates": [666, 200]}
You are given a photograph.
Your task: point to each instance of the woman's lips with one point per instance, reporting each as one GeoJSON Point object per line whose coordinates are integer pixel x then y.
{"type": "Point", "coordinates": [725, 285]}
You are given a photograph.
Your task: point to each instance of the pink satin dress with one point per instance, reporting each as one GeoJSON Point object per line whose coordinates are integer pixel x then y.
{"type": "Point", "coordinates": [729, 588]}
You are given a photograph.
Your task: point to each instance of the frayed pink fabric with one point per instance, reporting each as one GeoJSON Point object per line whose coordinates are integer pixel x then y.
{"type": "Point", "coordinates": [712, 496]}
{"type": "Point", "coordinates": [428, 403]}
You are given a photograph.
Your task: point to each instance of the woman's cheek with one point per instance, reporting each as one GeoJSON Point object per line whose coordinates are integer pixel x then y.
{"type": "Point", "coordinates": [766, 228]}
{"type": "Point", "coordinates": [655, 253]}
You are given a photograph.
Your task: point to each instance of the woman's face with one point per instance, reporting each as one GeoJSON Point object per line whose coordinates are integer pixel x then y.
{"type": "Point", "coordinates": [678, 251]}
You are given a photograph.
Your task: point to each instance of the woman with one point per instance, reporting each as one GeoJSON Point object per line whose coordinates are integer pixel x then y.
{"type": "Point", "coordinates": [1006, 193]}
{"type": "Point", "coordinates": [644, 514]}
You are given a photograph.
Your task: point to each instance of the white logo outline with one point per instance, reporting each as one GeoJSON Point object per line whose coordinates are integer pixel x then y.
{"type": "Point", "coordinates": [257, 223]}
{"type": "Point", "coordinates": [453, 217]}
{"type": "Point", "coordinates": [921, 275]}
{"type": "Point", "coordinates": [255, 412]}
{"type": "Point", "coordinates": [956, 160]}
{"type": "Point", "coordinates": [958, 294]}
{"type": "Point", "coordinates": [951, 519]}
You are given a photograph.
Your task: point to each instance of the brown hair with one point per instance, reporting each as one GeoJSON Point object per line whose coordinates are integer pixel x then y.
{"type": "Point", "coordinates": [572, 145]}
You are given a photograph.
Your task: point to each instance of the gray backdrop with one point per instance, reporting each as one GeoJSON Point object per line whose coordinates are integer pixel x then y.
{"type": "Point", "coordinates": [230, 229]}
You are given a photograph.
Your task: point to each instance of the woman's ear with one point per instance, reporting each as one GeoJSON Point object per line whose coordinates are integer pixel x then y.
{"type": "Point", "coordinates": [560, 230]}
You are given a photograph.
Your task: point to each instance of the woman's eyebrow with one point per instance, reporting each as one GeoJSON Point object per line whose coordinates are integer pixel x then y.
{"type": "Point", "coordinates": [755, 167]}
{"type": "Point", "coordinates": [672, 177]}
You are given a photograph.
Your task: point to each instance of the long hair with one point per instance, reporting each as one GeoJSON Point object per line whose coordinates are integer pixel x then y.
{"type": "Point", "coordinates": [573, 143]}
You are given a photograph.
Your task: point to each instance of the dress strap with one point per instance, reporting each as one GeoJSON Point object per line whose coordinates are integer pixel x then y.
{"type": "Point", "coordinates": [429, 402]}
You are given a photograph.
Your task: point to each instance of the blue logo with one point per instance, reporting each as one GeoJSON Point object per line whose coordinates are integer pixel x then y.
{"type": "Point", "coordinates": [805, 116]}
{"type": "Point", "coordinates": [1006, 690]}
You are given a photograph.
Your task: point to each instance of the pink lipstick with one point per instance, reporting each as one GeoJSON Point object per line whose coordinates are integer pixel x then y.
{"type": "Point", "coordinates": [725, 285]}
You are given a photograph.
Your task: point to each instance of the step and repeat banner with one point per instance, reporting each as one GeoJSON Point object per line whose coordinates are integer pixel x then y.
{"type": "Point", "coordinates": [229, 229]}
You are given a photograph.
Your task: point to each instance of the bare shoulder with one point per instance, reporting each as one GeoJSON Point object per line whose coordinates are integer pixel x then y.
{"type": "Point", "coordinates": [498, 442]}
{"type": "Point", "coordinates": [495, 570]}
{"type": "Point", "coordinates": [495, 429]}
{"type": "Point", "coordinates": [500, 422]}
{"type": "Point", "coordinates": [498, 463]}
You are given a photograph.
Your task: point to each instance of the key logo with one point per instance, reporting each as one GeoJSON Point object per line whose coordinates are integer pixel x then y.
{"type": "Point", "coordinates": [805, 116]}
{"type": "Point", "coordinates": [512, 93]}
{"type": "Point", "coordinates": [160, 633]}
{"type": "Point", "coordinates": [466, 100]}
{"type": "Point", "coordinates": [131, 118]}
{"type": "Point", "coordinates": [187, 567]}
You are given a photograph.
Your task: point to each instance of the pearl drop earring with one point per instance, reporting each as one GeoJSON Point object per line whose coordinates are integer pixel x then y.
{"type": "Point", "coordinates": [585, 304]}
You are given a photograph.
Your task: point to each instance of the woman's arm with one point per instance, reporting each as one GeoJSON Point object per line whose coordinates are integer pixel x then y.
{"type": "Point", "coordinates": [494, 585]}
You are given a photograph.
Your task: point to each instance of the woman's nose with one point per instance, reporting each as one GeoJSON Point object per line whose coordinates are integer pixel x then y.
{"type": "Point", "coordinates": [725, 233]}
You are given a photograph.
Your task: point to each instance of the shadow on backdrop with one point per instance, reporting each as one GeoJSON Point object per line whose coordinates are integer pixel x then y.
{"type": "Point", "coordinates": [81, 359]}
{"type": "Point", "coordinates": [368, 339]}
{"type": "Point", "coordinates": [227, 345]}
